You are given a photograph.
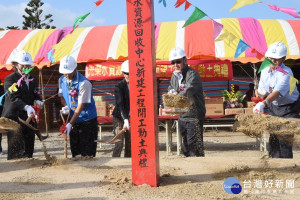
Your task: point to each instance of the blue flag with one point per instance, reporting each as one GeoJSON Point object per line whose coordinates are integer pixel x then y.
{"type": "Point", "coordinates": [242, 46]}
{"type": "Point", "coordinates": [50, 56]}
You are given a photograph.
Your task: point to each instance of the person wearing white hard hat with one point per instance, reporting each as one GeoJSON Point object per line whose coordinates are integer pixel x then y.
{"type": "Point", "coordinates": [76, 95]}
{"type": "Point", "coordinates": [274, 86]}
{"type": "Point", "coordinates": [121, 113]}
{"type": "Point", "coordinates": [185, 81]}
{"type": "Point", "coordinates": [18, 104]}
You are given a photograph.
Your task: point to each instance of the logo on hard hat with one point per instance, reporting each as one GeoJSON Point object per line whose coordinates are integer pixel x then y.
{"type": "Point", "coordinates": [26, 58]}
{"type": "Point", "coordinates": [174, 54]}
{"type": "Point", "coordinates": [66, 66]}
{"type": "Point", "coordinates": [273, 50]}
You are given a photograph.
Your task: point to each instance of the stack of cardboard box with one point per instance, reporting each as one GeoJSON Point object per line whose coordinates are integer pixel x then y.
{"type": "Point", "coordinates": [101, 106]}
{"type": "Point", "coordinates": [214, 106]}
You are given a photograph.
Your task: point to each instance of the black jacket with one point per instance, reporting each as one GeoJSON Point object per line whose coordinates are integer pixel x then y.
{"type": "Point", "coordinates": [193, 91]}
{"type": "Point", "coordinates": [122, 108]}
{"type": "Point", "coordinates": [16, 101]}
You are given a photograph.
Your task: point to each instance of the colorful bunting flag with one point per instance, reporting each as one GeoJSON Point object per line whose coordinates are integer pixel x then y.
{"type": "Point", "coordinates": [20, 79]}
{"type": "Point", "coordinates": [258, 55]}
{"type": "Point", "coordinates": [266, 63]}
{"type": "Point", "coordinates": [289, 11]}
{"type": "Point", "coordinates": [13, 88]}
{"type": "Point", "coordinates": [39, 60]}
{"type": "Point", "coordinates": [242, 46]}
{"type": "Point", "coordinates": [217, 29]}
{"type": "Point", "coordinates": [98, 2]}
{"type": "Point", "coordinates": [293, 82]}
{"type": "Point", "coordinates": [187, 5]}
{"type": "Point", "coordinates": [50, 56]}
{"type": "Point", "coordinates": [27, 71]}
{"type": "Point", "coordinates": [226, 35]}
{"type": "Point", "coordinates": [240, 3]}
{"type": "Point", "coordinates": [179, 3]}
{"type": "Point", "coordinates": [1, 98]}
{"type": "Point", "coordinates": [278, 68]}
{"type": "Point", "coordinates": [78, 20]}
{"type": "Point", "coordinates": [196, 15]}
{"type": "Point", "coordinates": [164, 2]}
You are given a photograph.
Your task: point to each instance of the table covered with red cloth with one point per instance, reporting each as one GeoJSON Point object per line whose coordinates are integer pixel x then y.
{"type": "Point", "coordinates": [109, 119]}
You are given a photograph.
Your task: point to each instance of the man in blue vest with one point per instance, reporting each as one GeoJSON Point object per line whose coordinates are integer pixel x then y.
{"type": "Point", "coordinates": [75, 92]}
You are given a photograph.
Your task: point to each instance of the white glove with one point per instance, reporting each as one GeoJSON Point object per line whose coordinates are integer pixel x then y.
{"type": "Point", "coordinates": [29, 110]}
{"type": "Point", "coordinates": [68, 129]}
{"type": "Point", "coordinates": [173, 91]}
{"type": "Point", "coordinates": [259, 107]}
{"type": "Point", "coordinates": [126, 124]}
{"type": "Point", "coordinates": [65, 110]}
{"type": "Point", "coordinates": [39, 103]}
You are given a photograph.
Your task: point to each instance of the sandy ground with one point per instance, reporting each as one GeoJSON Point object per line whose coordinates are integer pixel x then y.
{"type": "Point", "coordinates": [228, 154]}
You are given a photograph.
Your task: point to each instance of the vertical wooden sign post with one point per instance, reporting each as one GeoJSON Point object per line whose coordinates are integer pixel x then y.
{"type": "Point", "coordinates": [143, 92]}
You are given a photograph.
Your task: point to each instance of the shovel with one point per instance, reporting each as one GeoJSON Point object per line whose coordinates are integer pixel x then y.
{"type": "Point", "coordinates": [26, 123]}
{"type": "Point", "coordinates": [65, 135]}
{"type": "Point", "coordinates": [114, 139]}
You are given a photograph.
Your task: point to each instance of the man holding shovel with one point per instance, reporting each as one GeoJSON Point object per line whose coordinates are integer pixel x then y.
{"type": "Point", "coordinates": [121, 113]}
{"type": "Point", "coordinates": [18, 105]}
{"type": "Point", "coordinates": [75, 92]}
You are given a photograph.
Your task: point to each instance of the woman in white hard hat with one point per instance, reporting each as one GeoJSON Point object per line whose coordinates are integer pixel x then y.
{"type": "Point", "coordinates": [121, 113]}
{"type": "Point", "coordinates": [275, 85]}
{"type": "Point", "coordinates": [186, 81]}
{"type": "Point", "coordinates": [19, 104]}
{"type": "Point", "coordinates": [75, 92]}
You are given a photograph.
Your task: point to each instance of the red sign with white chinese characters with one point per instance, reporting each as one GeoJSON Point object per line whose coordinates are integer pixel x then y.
{"type": "Point", "coordinates": [209, 70]}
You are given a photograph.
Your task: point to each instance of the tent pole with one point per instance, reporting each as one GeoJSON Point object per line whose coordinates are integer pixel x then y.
{"type": "Point", "coordinates": [255, 79]}
{"type": "Point", "coordinates": [43, 97]}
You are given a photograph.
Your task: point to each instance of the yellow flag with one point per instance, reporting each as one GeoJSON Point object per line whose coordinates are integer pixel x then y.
{"type": "Point", "coordinates": [293, 82]}
{"type": "Point", "coordinates": [223, 36]}
{"type": "Point", "coordinates": [240, 3]}
{"type": "Point", "coordinates": [226, 36]}
{"type": "Point", "coordinates": [13, 88]}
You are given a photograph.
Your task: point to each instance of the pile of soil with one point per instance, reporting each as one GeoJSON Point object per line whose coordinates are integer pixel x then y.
{"type": "Point", "coordinates": [227, 154]}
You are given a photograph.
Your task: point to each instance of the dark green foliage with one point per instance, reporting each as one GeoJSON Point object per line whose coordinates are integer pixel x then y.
{"type": "Point", "coordinates": [35, 18]}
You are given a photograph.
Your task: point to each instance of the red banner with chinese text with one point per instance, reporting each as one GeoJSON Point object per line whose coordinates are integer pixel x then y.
{"type": "Point", "coordinates": [103, 71]}
{"type": "Point", "coordinates": [209, 70]}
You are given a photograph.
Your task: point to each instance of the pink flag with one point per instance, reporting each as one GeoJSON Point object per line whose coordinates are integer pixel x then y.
{"type": "Point", "coordinates": [278, 68]}
{"type": "Point", "coordinates": [217, 29]}
{"type": "Point", "coordinates": [290, 11]}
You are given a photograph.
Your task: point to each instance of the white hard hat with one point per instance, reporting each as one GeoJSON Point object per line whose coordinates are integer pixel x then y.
{"type": "Point", "coordinates": [125, 67]}
{"type": "Point", "coordinates": [23, 58]}
{"type": "Point", "coordinates": [67, 65]}
{"type": "Point", "coordinates": [276, 50]}
{"type": "Point", "coordinates": [176, 53]}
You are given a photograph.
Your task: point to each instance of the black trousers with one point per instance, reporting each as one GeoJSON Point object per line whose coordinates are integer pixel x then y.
{"type": "Point", "coordinates": [1, 142]}
{"type": "Point", "coordinates": [192, 136]}
{"type": "Point", "coordinates": [118, 126]}
{"type": "Point", "coordinates": [82, 138]}
{"type": "Point", "coordinates": [20, 143]}
{"type": "Point", "coordinates": [280, 146]}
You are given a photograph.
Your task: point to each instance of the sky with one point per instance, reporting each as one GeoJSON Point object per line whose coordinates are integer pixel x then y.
{"type": "Point", "coordinates": [112, 12]}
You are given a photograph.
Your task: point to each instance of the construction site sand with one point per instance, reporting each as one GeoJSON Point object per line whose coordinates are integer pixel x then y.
{"type": "Point", "coordinates": [228, 154]}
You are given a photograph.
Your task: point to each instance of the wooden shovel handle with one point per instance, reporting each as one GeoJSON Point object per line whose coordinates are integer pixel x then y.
{"type": "Point", "coordinates": [29, 118]}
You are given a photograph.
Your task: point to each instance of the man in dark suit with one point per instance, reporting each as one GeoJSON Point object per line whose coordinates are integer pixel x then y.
{"type": "Point", "coordinates": [121, 113]}
{"type": "Point", "coordinates": [19, 104]}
